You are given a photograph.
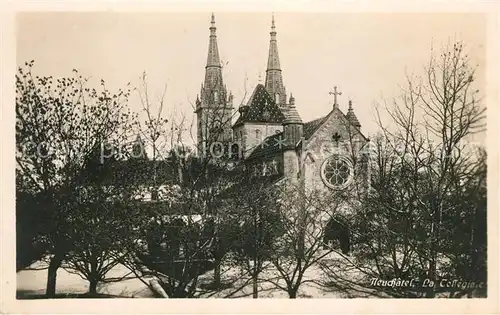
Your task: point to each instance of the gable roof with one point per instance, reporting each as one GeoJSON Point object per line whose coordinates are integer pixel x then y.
{"type": "Point", "coordinates": [261, 108]}
{"type": "Point", "coordinates": [310, 127]}
{"type": "Point", "coordinates": [269, 147]}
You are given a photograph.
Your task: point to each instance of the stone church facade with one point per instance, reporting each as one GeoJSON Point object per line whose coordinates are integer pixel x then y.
{"type": "Point", "coordinates": [269, 133]}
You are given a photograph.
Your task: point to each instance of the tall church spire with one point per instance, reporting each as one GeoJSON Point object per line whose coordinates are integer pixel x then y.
{"type": "Point", "coordinates": [213, 59]}
{"type": "Point", "coordinates": [273, 62]}
{"type": "Point", "coordinates": [214, 106]}
{"type": "Point", "coordinates": [274, 80]}
{"type": "Point", "coordinates": [213, 69]}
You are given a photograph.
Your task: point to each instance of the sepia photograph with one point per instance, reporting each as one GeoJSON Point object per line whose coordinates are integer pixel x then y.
{"type": "Point", "coordinates": [251, 155]}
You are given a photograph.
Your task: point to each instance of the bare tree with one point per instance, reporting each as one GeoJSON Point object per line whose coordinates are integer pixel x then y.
{"type": "Point", "coordinates": [303, 216]}
{"type": "Point", "coordinates": [423, 163]}
{"type": "Point", "coordinates": [218, 157]}
{"type": "Point", "coordinates": [58, 124]}
{"type": "Point", "coordinates": [106, 217]}
{"type": "Point", "coordinates": [255, 204]}
{"type": "Point", "coordinates": [104, 225]}
{"type": "Point", "coordinates": [189, 210]}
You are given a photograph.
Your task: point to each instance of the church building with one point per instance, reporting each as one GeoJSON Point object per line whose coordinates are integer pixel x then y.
{"type": "Point", "coordinates": [269, 133]}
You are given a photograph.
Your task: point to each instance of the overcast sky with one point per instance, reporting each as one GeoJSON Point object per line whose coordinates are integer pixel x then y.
{"type": "Point", "coordinates": [364, 54]}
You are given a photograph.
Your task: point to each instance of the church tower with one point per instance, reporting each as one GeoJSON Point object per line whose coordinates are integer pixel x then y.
{"type": "Point", "coordinates": [274, 80]}
{"type": "Point", "coordinates": [214, 105]}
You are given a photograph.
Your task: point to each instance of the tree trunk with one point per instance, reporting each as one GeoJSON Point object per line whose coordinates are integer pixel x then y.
{"type": "Point", "coordinates": [292, 294]}
{"type": "Point", "coordinates": [432, 276]}
{"type": "Point", "coordinates": [180, 292]}
{"type": "Point", "coordinates": [93, 287]}
{"type": "Point", "coordinates": [217, 273]}
{"type": "Point", "coordinates": [431, 272]}
{"type": "Point", "coordinates": [255, 287]}
{"type": "Point", "coordinates": [256, 222]}
{"type": "Point", "coordinates": [217, 258]}
{"type": "Point", "coordinates": [55, 263]}
{"type": "Point", "coordinates": [93, 272]}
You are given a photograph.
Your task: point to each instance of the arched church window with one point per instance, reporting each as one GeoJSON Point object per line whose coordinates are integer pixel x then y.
{"type": "Point", "coordinates": [216, 97]}
{"type": "Point", "coordinates": [337, 172]}
{"type": "Point", "coordinates": [277, 98]}
{"type": "Point", "coordinates": [258, 135]}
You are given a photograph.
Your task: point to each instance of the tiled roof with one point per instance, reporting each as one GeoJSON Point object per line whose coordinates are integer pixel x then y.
{"type": "Point", "coordinates": [311, 126]}
{"type": "Point", "coordinates": [261, 108]}
{"type": "Point", "coordinates": [269, 147]}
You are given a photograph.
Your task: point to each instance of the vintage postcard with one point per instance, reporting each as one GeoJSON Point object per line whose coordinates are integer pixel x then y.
{"type": "Point", "coordinates": [252, 157]}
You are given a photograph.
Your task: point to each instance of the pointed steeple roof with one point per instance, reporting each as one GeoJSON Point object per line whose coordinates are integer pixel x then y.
{"type": "Point", "coordinates": [352, 117]}
{"type": "Point", "coordinates": [274, 80]}
{"type": "Point", "coordinates": [291, 114]}
{"type": "Point", "coordinates": [273, 61]}
{"type": "Point", "coordinates": [213, 59]}
{"type": "Point", "coordinates": [213, 92]}
{"type": "Point", "coordinates": [213, 69]}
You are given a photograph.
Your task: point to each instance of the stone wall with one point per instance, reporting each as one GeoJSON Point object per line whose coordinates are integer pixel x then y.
{"type": "Point", "coordinates": [321, 146]}
{"type": "Point", "coordinates": [248, 137]}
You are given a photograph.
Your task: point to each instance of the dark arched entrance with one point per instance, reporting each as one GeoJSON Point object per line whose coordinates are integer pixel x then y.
{"type": "Point", "coordinates": [337, 232]}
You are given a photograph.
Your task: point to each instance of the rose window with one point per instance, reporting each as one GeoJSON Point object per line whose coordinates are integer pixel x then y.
{"type": "Point", "coordinates": [336, 172]}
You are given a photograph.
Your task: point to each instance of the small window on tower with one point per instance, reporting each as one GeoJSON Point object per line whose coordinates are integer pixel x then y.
{"type": "Point", "coordinates": [277, 98]}
{"type": "Point", "coordinates": [216, 97]}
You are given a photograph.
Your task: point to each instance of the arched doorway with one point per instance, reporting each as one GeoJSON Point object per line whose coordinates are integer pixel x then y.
{"type": "Point", "coordinates": [336, 234]}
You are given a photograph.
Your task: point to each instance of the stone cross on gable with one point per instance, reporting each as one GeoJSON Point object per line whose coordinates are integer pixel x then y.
{"type": "Point", "coordinates": [335, 93]}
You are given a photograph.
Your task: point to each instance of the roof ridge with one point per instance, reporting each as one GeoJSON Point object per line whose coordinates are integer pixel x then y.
{"type": "Point", "coordinates": [316, 124]}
